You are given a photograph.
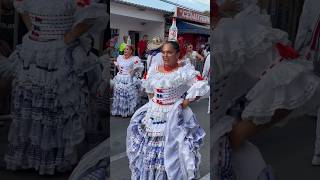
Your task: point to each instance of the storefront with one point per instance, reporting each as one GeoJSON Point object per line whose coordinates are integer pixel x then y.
{"type": "Point", "coordinates": [193, 26]}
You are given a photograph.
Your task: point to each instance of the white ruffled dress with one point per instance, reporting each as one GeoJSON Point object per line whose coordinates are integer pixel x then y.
{"type": "Point", "coordinates": [243, 49]}
{"type": "Point", "coordinates": [247, 59]}
{"type": "Point", "coordinates": [126, 86]}
{"type": "Point", "coordinates": [50, 91]}
{"type": "Point", "coordinates": [163, 140]}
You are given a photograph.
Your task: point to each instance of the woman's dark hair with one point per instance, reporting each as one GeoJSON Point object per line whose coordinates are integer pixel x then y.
{"type": "Point", "coordinates": [174, 44]}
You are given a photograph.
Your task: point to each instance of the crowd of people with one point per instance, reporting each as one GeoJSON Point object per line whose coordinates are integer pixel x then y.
{"type": "Point", "coordinates": [131, 68]}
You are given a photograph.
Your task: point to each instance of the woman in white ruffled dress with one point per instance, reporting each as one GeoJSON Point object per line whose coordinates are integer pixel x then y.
{"type": "Point", "coordinates": [50, 90]}
{"type": "Point", "coordinates": [258, 61]}
{"type": "Point", "coordinates": [127, 85]}
{"type": "Point", "coordinates": [164, 136]}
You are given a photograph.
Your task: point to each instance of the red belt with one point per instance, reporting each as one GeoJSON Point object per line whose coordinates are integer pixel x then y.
{"type": "Point", "coordinates": [161, 103]}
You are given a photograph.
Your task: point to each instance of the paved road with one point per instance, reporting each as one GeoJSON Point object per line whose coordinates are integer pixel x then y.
{"type": "Point", "coordinates": [289, 149]}
{"type": "Point", "coordinates": [119, 166]}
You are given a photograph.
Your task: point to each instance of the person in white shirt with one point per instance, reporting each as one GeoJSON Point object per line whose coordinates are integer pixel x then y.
{"type": "Point", "coordinates": [206, 69]}
{"type": "Point", "coordinates": [192, 55]}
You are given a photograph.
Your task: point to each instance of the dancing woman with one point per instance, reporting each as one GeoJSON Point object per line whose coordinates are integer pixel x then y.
{"type": "Point", "coordinates": [164, 136]}
{"type": "Point", "coordinates": [126, 83]}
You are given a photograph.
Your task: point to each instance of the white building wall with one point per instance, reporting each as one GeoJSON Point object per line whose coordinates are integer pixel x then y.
{"type": "Point", "coordinates": [135, 12]}
{"type": "Point", "coordinates": [154, 29]}
{"type": "Point", "coordinates": [127, 18]}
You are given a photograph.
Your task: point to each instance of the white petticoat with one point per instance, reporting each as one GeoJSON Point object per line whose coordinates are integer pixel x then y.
{"type": "Point", "coordinates": [289, 85]}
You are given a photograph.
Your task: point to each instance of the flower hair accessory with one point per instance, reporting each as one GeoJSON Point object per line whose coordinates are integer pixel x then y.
{"type": "Point", "coordinates": [287, 52]}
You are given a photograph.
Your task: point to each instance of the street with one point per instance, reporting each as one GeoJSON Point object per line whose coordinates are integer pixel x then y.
{"type": "Point", "coordinates": [119, 168]}
{"type": "Point", "coordinates": [289, 149]}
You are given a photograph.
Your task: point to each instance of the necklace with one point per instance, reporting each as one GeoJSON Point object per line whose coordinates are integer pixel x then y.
{"type": "Point", "coordinates": [170, 68]}
{"type": "Point", "coordinates": [127, 57]}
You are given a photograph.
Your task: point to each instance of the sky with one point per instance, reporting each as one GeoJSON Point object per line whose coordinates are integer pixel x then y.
{"type": "Point", "coordinates": [198, 5]}
{"type": "Point", "coordinates": [203, 5]}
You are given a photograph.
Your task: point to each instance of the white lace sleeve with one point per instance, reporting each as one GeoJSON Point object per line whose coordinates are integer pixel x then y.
{"type": "Point", "coordinates": [146, 81]}
{"type": "Point", "coordinates": [198, 86]}
{"type": "Point", "coordinates": [138, 66]}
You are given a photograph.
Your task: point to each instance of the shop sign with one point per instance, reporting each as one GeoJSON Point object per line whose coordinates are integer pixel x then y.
{"type": "Point", "coordinates": [192, 16]}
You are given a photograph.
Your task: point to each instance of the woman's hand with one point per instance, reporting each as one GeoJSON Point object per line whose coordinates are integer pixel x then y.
{"type": "Point", "coordinates": [150, 95]}
{"type": "Point", "coordinates": [68, 38]}
{"type": "Point", "coordinates": [185, 103]}
{"type": "Point", "coordinates": [76, 32]}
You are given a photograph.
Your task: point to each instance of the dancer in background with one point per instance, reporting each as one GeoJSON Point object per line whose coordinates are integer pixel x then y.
{"type": "Point", "coordinates": [164, 136]}
{"type": "Point", "coordinates": [50, 91]}
{"type": "Point", "coordinates": [126, 84]}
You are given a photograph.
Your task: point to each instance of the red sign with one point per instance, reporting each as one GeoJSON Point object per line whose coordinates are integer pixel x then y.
{"type": "Point", "coordinates": [192, 16]}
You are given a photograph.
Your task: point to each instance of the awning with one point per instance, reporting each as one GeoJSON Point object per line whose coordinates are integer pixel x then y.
{"type": "Point", "coordinates": [186, 27]}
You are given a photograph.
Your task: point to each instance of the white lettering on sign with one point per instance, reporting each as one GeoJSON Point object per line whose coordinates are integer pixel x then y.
{"type": "Point", "coordinates": [192, 16]}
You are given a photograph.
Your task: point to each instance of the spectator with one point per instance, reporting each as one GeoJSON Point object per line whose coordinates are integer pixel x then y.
{"type": "Point", "coordinates": [114, 46]}
{"type": "Point", "coordinates": [142, 47]}
{"type": "Point", "coordinates": [193, 55]}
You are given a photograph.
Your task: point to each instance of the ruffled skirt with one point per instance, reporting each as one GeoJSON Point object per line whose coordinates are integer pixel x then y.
{"type": "Point", "coordinates": [126, 95]}
{"type": "Point", "coordinates": [173, 154]}
{"type": "Point", "coordinates": [289, 85]}
{"type": "Point", "coordinates": [49, 104]}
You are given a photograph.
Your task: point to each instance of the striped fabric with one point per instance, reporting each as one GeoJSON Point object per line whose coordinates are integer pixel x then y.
{"type": "Point", "coordinates": [45, 27]}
